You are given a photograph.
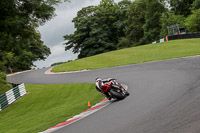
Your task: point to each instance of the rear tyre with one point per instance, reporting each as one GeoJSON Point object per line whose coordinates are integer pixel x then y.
{"type": "Point", "coordinates": [118, 95]}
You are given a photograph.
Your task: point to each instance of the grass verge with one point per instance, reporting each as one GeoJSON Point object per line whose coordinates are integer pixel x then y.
{"type": "Point", "coordinates": [133, 55]}
{"type": "Point", "coordinates": [47, 105]}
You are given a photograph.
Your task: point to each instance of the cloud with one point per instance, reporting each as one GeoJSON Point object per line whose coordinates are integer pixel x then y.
{"type": "Point", "coordinates": [53, 31]}
{"type": "Point", "coordinates": [57, 50]}
{"type": "Point", "coordinates": [58, 54]}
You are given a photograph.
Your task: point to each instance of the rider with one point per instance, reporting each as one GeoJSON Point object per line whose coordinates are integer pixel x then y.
{"type": "Point", "coordinates": [100, 84]}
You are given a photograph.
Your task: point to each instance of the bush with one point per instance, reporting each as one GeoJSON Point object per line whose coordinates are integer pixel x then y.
{"type": "Point", "coordinates": [124, 43]}
{"type": "Point", "coordinates": [2, 78]}
{"type": "Point", "coordinates": [4, 85]}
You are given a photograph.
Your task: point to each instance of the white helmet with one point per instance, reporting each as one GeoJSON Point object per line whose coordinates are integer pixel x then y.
{"type": "Point", "coordinates": [98, 79]}
{"type": "Point", "coordinates": [110, 79]}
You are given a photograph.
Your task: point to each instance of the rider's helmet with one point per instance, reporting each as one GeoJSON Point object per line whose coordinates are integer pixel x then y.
{"type": "Point", "coordinates": [109, 79]}
{"type": "Point", "coordinates": [98, 79]}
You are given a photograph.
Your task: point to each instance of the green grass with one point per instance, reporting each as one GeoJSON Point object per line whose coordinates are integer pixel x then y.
{"type": "Point", "coordinates": [47, 105]}
{"type": "Point", "coordinates": [133, 55]}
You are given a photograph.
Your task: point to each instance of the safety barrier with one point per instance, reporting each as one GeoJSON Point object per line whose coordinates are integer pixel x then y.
{"type": "Point", "coordinates": [185, 36]}
{"type": "Point", "coordinates": [179, 36]}
{"type": "Point", "coordinates": [12, 95]}
{"type": "Point", "coordinates": [161, 40]}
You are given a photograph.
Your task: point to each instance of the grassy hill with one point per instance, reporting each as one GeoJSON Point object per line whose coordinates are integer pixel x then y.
{"type": "Point", "coordinates": [47, 105]}
{"type": "Point", "coordinates": [133, 55]}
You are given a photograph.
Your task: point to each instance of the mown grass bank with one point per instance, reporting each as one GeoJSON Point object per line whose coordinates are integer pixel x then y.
{"type": "Point", "coordinates": [133, 55]}
{"type": "Point", "coordinates": [47, 105]}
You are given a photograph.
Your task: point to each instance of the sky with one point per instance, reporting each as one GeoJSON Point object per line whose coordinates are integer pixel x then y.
{"type": "Point", "coordinates": [53, 31]}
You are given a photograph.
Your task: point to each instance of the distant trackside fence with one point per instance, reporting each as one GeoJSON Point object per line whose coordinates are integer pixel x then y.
{"type": "Point", "coordinates": [12, 95]}
{"type": "Point", "coordinates": [185, 36]}
{"type": "Point", "coordinates": [161, 40]}
{"type": "Point", "coordinates": [179, 36]}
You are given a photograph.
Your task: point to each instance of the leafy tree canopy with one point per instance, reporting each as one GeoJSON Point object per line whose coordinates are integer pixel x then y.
{"type": "Point", "coordinates": [98, 28]}
{"type": "Point", "coordinates": [169, 18]}
{"type": "Point", "coordinates": [20, 42]}
{"type": "Point", "coordinates": [193, 21]}
{"type": "Point", "coordinates": [181, 7]}
{"type": "Point", "coordinates": [135, 22]}
{"type": "Point", "coordinates": [109, 25]}
{"type": "Point", "coordinates": [195, 5]}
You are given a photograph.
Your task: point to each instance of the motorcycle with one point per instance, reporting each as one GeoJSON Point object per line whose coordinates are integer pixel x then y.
{"type": "Point", "coordinates": [115, 89]}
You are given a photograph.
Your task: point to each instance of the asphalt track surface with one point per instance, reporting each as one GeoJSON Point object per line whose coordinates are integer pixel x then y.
{"type": "Point", "coordinates": [164, 97]}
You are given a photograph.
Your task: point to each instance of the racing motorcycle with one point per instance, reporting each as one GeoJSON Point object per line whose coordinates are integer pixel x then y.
{"type": "Point", "coordinates": [115, 89]}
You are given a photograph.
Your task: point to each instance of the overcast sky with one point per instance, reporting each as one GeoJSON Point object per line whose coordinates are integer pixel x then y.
{"type": "Point", "coordinates": [53, 31]}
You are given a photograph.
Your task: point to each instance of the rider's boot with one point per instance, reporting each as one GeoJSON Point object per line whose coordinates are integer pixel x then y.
{"type": "Point", "coordinates": [109, 97]}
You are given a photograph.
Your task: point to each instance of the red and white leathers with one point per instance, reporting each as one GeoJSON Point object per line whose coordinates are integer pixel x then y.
{"type": "Point", "coordinates": [103, 85]}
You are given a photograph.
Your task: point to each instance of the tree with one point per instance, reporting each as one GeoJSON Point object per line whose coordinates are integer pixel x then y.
{"type": "Point", "coordinates": [181, 7]}
{"type": "Point", "coordinates": [193, 21]}
{"type": "Point", "coordinates": [169, 18]}
{"type": "Point", "coordinates": [121, 22]}
{"type": "Point", "coordinates": [135, 22]}
{"type": "Point", "coordinates": [195, 5]}
{"type": "Point", "coordinates": [98, 29]}
{"type": "Point", "coordinates": [19, 20]}
{"type": "Point", "coordinates": [124, 43]}
{"type": "Point", "coordinates": [152, 26]}
{"type": "Point", "coordinates": [83, 23]}
{"type": "Point", "coordinates": [144, 21]}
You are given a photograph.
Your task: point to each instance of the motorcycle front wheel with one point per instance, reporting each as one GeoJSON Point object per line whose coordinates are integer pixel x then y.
{"type": "Point", "coordinates": [117, 94]}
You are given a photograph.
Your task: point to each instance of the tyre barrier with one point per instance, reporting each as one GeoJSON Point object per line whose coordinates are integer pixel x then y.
{"type": "Point", "coordinates": [189, 35]}
{"type": "Point", "coordinates": [12, 95]}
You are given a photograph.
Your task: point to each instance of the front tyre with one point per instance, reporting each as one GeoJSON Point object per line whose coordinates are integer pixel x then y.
{"type": "Point", "coordinates": [117, 94]}
{"type": "Point", "coordinates": [126, 93]}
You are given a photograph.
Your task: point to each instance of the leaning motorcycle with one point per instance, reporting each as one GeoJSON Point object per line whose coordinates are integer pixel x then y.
{"type": "Point", "coordinates": [115, 89]}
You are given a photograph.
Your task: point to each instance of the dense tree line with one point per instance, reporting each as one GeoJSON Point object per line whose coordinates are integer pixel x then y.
{"type": "Point", "coordinates": [20, 41]}
{"type": "Point", "coordinates": [98, 28]}
{"type": "Point", "coordinates": [110, 26]}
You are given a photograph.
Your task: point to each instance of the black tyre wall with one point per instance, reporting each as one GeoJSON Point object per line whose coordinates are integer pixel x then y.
{"type": "Point", "coordinates": [116, 95]}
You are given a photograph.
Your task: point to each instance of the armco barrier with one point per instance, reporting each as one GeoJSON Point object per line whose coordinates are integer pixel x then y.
{"type": "Point", "coordinates": [12, 95]}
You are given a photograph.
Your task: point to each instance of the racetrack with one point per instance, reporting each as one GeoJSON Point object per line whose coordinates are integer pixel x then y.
{"type": "Point", "coordinates": [164, 97]}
